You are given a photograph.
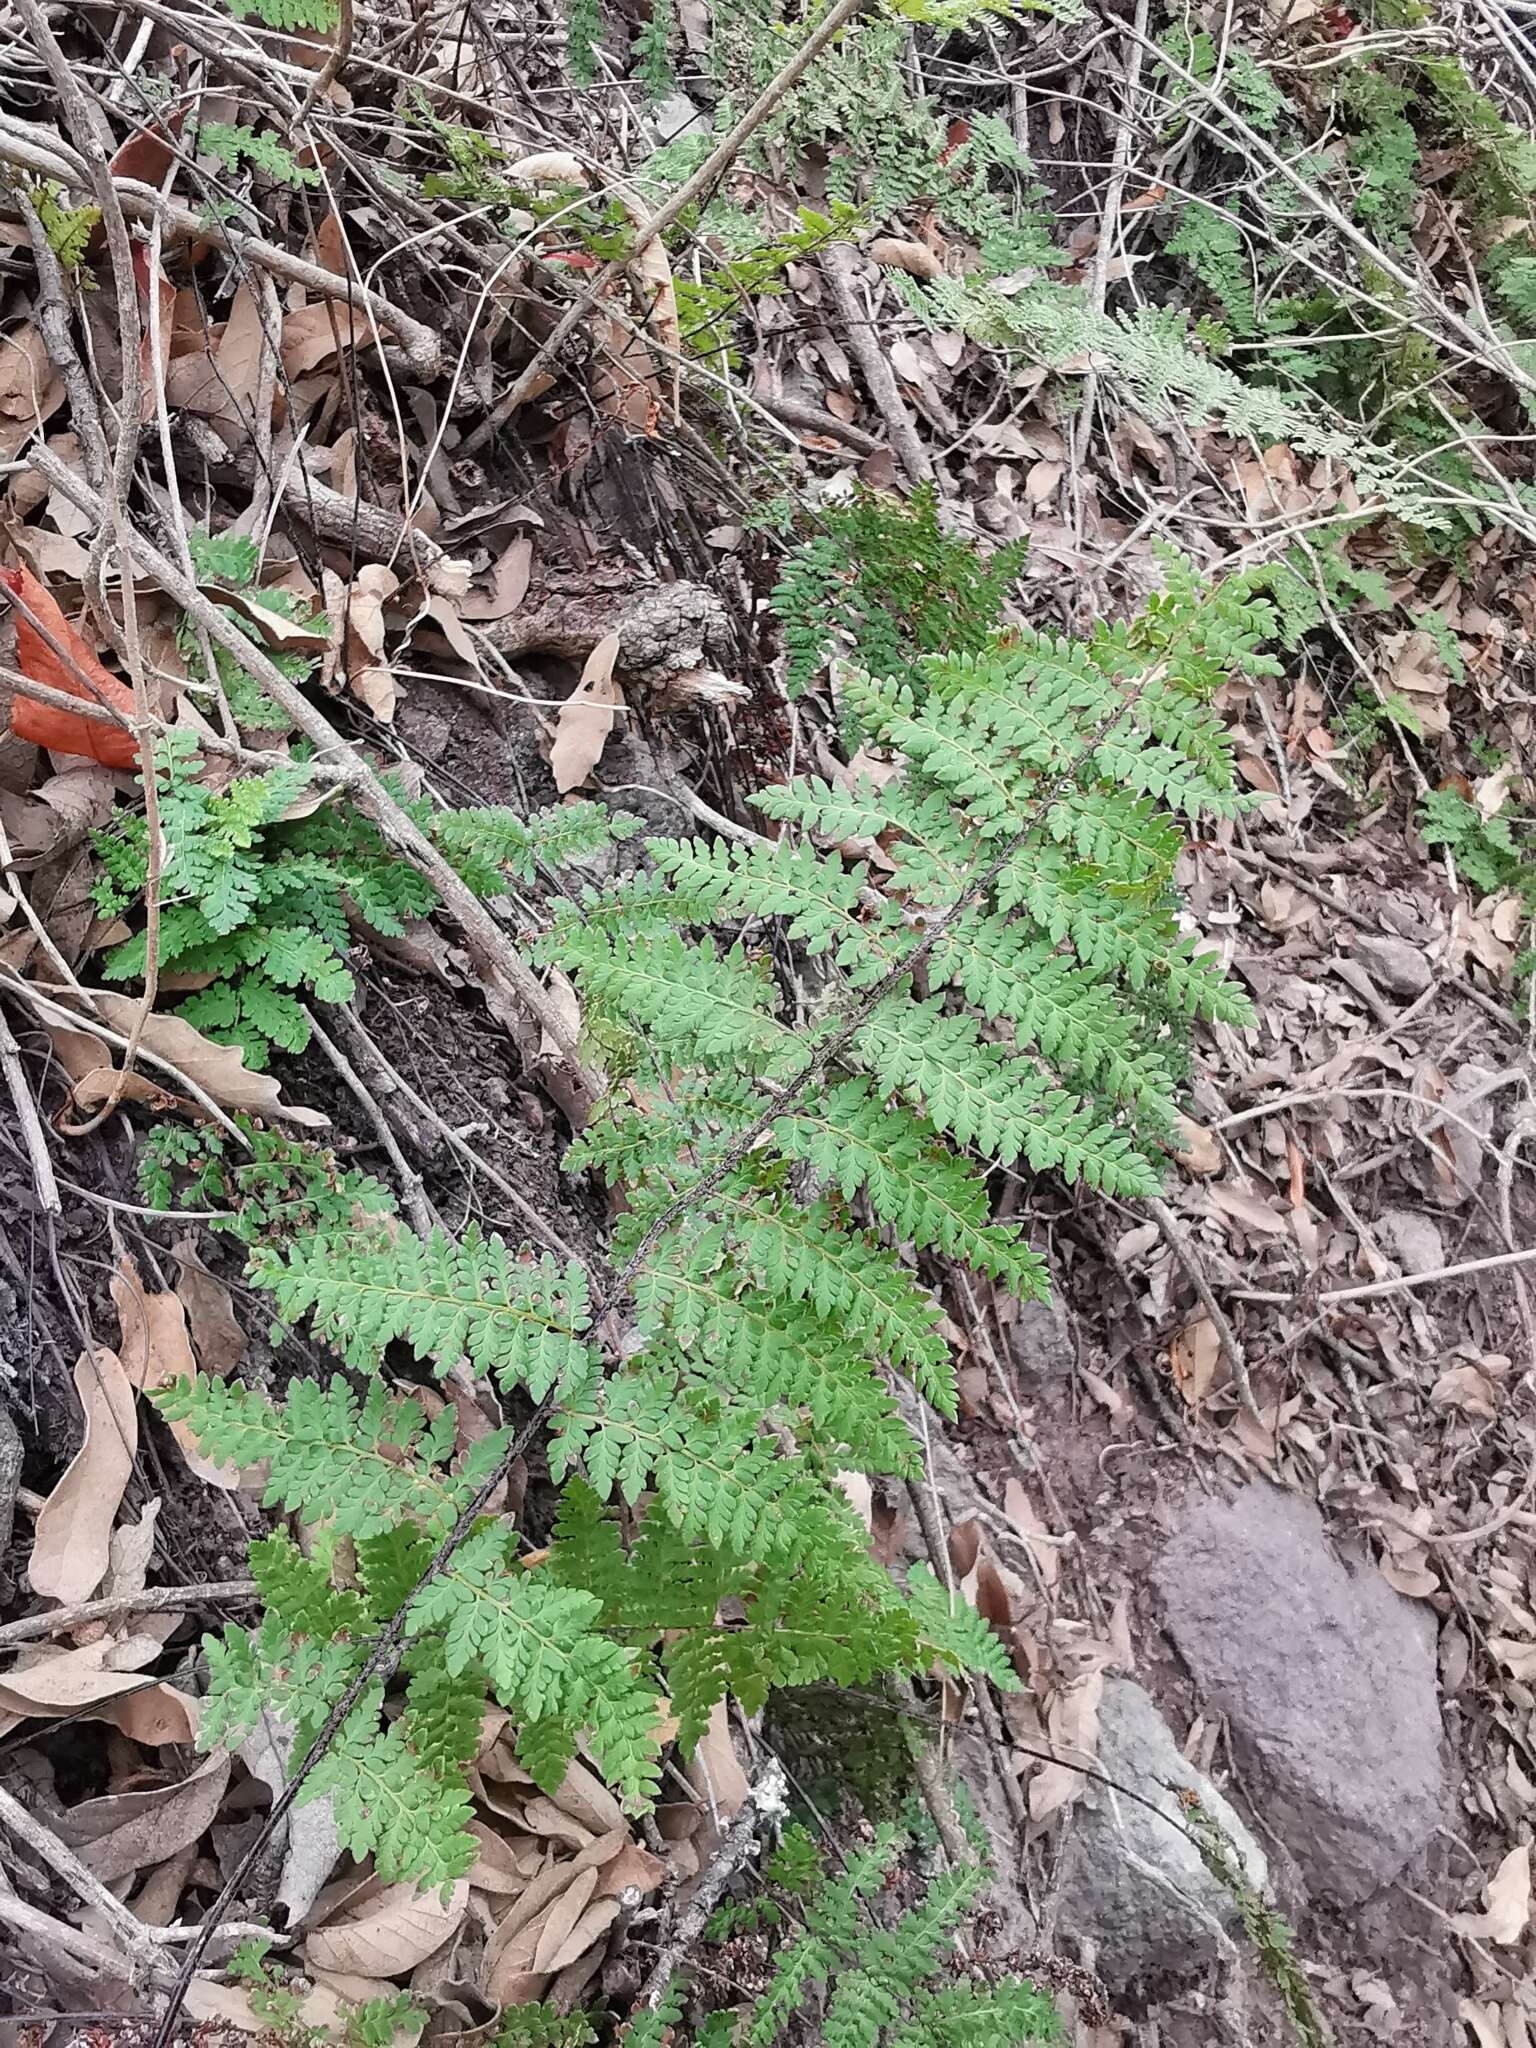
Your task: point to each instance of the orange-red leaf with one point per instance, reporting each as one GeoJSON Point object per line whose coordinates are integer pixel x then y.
{"type": "Point", "coordinates": [82, 675]}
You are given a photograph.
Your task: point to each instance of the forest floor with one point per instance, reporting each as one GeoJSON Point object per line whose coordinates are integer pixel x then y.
{"type": "Point", "coordinates": [1270, 1454]}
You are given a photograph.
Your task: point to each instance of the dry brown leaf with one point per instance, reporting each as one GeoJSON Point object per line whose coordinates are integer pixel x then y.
{"type": "Point", "coordinates": [88, 1062]}
{"type": "Point", "coordinates": [563, 1916]}
{"type": "Point", "coordinates": [1246, 1209]}
{"type": "Point", "coordinates": [1073, 1724]}
{"type": "Point", "coordinates": [1040, 482]}
{"type": "Point", "coordinates": [543, 1817]}
{"type": "Point", "coordinates": [358, 612]}
{"type": "Point", "coordinates": [586, 718]}
{"type": "Point", "coordinates": [1043, 1547]}
{"type": "Point", "coordinates": [391, 1933]}
{"type": "Point", "coordinates": [239, 354]}
{"type": "Point", "coordinates": [127, 1831]}
{"type": "Point", "coordinates": [1508, 1897]}
{"type": "Point", "coordinates": [1415, 665]}
{"type": "Point", "coordinates": [217, 1069]}
{"type": "Point", "coordinates": [72, 1544]}
{"type": "Point", "coordinates": [128, 1556]}
{"type": "Point", "coordinates": [285, 636]}
{"type": "Point", "coordinates": [313, 334]}
{"type": "Point", "coordinates": [444, 614]}
{"type": "Point", "coordinates": [915, 258]}
{"type": "Point", "coordinates": [715, 1771]}
{"type": "Point", "coordinates": [601, 1850]}
{"type": "Point", "coordinates": [1484, 2020]}
{"type": "Point", "coordinates": [1196, 1149]}
{"type": "Point", "coordinates": [632, 1869]}
{"type": "Point", "coordinates": [31, 389]}
{"type": "Point", "coordinates": [594, 1922]}
{"type": "Point", "coordinates": [509, 583]}
{"type": "Point", "coordinates": [1195, 1355]}
{"type": "Point", "coordinates": [548, 167]}
{"type": "Point", "coordinates": [507, 1975]}
{"type": "Point", "coordinates": [583, 1795]}
{"type": "Point", "coordinates": [217, 1338]}
{"type": "Point", "coordinates": [495, 1869]}
{"type": "Point", "coordinates": [230, 2005]}
{"type": "Point", "coordinates": [157, 1899]}
{"type": "Point", "coordinates": [156, 1352]}
{"type": "Point", "coordinates": [66, 1681]}
{"type": "Point", "coordinates": [158, 1715]}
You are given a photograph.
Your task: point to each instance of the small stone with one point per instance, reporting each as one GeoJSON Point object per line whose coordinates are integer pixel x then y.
{"type": "Point", "coordinates": [676, 117]}
{"type": "Point", "coordinates": [1133, 1884]}
{"type": "Point", "coordinates": [1413, 1239]}
{"type": "Point", "coordinates": [1395, 963]}
{"type": "Point", "coordinates": [1040, 1342]}
{"type": "Point", "coordinates": [1327, 1679]}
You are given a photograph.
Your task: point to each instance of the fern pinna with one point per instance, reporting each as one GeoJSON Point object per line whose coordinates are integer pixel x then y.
{"type": "Point", "coordinates": [797, 1153]}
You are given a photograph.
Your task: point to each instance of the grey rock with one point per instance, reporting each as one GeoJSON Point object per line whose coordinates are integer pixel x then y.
{"type": "Point", "coordinates": [1040, 1341]}
{"type": "Point", "coordinates": [1413, 1239]}
{"type": "Point", "coordinates": [1132, 1882]}
{"type": "Point", "coordinates": [675, 117]}
{"type": "Point", "coordinates": [1327, 1678]}
{"type": "Point", "coordinates": [1397, 964]}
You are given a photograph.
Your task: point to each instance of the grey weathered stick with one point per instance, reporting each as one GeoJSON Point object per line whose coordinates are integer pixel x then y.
{"type": "Point", "coordinates": [137, 1939]}
{"type": "Point", "coordinates": [34, 1628]}
{"type": "Point", "coordinates": [765, 1797]}
{"type": "Point", "coordinates": [31, 1123]}
{"type": "Point", "coordinates": [837, 261]}
{"type": "Point", "coordinates": [490, 944]}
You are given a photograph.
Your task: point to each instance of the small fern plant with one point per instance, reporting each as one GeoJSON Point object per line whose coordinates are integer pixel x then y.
{"type": "Point", "coordinates": [799, 1158]}
{"type": "Point", "coordinates": [260, 888]}
{"type": "Point", "coordinates": [870, 1977]}
{"type": "Point", "coordinates": [883, 581]}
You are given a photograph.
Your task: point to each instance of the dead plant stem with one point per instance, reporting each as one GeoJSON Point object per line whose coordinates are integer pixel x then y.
{"type": "Point", "coordinates": [37, 1628]}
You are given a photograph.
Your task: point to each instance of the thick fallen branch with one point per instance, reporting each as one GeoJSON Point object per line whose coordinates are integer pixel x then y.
{"type": "Point", "coordinates": [494, 953]}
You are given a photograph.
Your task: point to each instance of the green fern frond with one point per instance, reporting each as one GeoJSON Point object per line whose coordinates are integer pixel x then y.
{"type": "Point", "coordinates": [362, 1466]}
{"type": "Point", "coordinates": [443, 1297]}
{"type": "Point", "coordinates": [288, 14]}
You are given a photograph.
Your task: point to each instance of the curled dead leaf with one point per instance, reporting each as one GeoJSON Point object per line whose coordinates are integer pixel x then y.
{"type": "Point", "coordinates": [586, 718]}
{"type": "Point", "coordinates": [1508, 1897]}
{"type": "Point", "coordinates": [390, 1933]}
{"type": "Point", "coordinates": [156, 1352]}
{"type": "Point", "coordinates": [31, 389]}
{"type": "Point", "coordinates": [72, 1543]}
{"type": "Point", "coordinates": [217, 1337]}
{"type": "Point", "coordinates": [218, 1069]}
{"type": "Point", "coordinates": [1195, 1356]}
{"type": "Point", "coordinates": [915, 258]}
{"type": "Point", "coordinates": [53, 653]}
{"type": "Point", "coordinates": [509, 583]}
{"type": "Point", "coordinates": [127, 1831]}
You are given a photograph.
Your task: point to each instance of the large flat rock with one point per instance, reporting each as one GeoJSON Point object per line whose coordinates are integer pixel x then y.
{"type": "Point", "coordinates": [1327, 1678]}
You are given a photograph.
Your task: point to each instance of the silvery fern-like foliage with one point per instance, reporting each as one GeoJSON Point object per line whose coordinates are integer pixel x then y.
{"type": "Point", "coordinates": [1165, 374]}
